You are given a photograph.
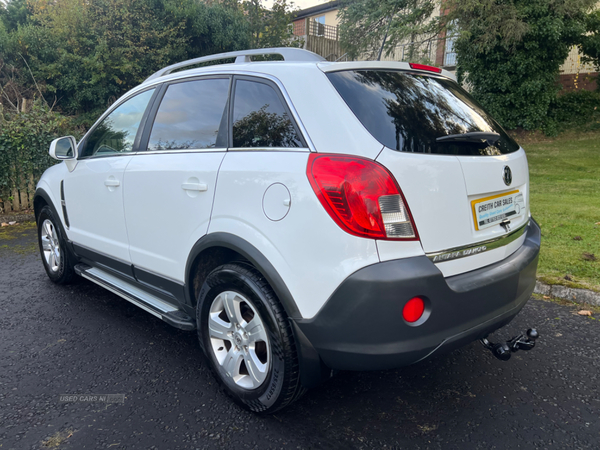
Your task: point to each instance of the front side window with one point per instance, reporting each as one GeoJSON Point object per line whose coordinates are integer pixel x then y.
{"type": "Point", "coordinates": [260, 118]}
{"type": "Point", "coordinates": [116, 133]}
{"type": "Point", "coordinates": [191, 116]}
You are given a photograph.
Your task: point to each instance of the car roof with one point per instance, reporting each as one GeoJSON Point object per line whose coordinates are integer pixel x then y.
{"type": "Point", "coordinates": [291, 57]}
{"type": "Point", "coordinates": [302, 80]}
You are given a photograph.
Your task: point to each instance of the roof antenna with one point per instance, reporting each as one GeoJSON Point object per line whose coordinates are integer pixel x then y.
{"type": "Point", "coordinates": [384, 38]}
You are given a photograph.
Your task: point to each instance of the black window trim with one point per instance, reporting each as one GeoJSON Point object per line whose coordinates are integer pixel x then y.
{"type": "Point", "coordinates": [108, 112]}
{"type": "Point", "coordinates": [286, 106]}
{"type": "Point", "coordinates": [145, 136]}
{"type": "Point", "coordinates": [140, 144]}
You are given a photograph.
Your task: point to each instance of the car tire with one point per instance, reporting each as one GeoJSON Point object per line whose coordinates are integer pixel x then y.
{"type": "Point", "coordinates": [246, 337]}
{"type": "Point", "coordinates": [53, 249]}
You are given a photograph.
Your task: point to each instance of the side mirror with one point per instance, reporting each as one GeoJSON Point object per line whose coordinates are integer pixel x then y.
{"type": "Point", "coordinates": [63, 148]}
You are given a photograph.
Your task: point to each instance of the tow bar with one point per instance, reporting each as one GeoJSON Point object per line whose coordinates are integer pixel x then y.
{"type": "Point", "coordinates": [503, 350]}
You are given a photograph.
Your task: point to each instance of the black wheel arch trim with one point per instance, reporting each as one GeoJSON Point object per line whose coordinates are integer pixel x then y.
{"type": "Point", "coordinates": [41, 193]}
{"type": "Point", "coordinates": [312, 370]}
{"type": "Point", "coordinates": [248, 251]}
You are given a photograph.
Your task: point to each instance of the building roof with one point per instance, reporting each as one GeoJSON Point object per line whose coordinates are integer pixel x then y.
{"type": "Point", "coordinates": [319, 9]}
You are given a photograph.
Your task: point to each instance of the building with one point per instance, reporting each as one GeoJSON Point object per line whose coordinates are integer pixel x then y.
{"type": "Point", "coordinates": [574, 75]}
{"type": "Point", "coordinates": [318, 26]}
{"type": "Point", "coordinates": [324, 13]}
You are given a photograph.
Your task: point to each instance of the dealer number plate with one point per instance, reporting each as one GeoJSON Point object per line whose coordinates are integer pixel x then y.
{"type": "Point", "coordinates": [490, 211]}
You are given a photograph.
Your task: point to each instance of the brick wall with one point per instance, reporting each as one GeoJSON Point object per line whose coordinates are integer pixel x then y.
{"type": "Point", "coordinates": [441, 43]}
{"type": "Point", "coordinates": [441, 47]}
{"type": "Point", "coordinates": [573, 82]}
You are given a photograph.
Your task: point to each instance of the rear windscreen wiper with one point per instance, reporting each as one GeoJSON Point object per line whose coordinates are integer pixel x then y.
{"type": "Point", "coordinates": [472, 136]}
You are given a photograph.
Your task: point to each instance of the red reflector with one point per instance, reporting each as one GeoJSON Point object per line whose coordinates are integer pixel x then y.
{"type": "Point", "coordinates": [413, 310]}
{"type": "Point", "coordinates": [425, 67]}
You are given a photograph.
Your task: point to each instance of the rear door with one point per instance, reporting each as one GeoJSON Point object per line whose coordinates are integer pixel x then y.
{"type": "Point", "coordinates": [464, 178]}
{"type": "Point", "coordinates": [170, 183]}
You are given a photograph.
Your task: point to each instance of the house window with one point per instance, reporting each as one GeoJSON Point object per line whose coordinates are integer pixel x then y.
{"type": "Point", "coordinates": [319, 25]}
{"type": "Point", "coordinates": [450, 52]}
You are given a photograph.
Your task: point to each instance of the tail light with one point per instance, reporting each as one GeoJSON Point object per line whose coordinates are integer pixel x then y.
{"type": "Point", "coordinates": [361, 196]}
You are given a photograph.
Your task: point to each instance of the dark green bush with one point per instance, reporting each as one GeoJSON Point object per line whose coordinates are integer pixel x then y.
{"type": "Point", "coordinates": [510, 52]}
{"type": "Point", "coordinates": [24, 142]}
{"type": "Point", "coordinates": [579, 109]}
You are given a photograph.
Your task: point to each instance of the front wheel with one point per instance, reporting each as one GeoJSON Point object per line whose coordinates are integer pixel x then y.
{"type": "Point", "coordinates": [55, 257]}
{"type": "Point", "coordinates": [247, 340]}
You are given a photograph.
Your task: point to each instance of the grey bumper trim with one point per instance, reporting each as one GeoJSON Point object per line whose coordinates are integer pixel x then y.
{"type": "Point", "coordinates": [361, 326]}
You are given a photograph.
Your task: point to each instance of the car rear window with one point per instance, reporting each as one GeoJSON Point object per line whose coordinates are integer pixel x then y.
{"type": "Point", "coordinates": [409, 111]}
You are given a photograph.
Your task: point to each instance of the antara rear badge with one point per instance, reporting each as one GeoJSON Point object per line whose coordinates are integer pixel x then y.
{"type": "Point", "coordinates": [458, 254]}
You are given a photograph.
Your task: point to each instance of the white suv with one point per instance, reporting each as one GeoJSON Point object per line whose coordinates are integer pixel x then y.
{"type": "Point", "coordinates": [304, 216]}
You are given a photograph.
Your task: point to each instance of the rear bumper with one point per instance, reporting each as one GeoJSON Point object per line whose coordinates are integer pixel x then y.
{"type": "Point", "coordinates": [361, 325]}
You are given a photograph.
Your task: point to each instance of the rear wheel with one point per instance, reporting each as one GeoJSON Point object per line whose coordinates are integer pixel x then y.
{"type": "Point", "coordinates": [55, 257]}
{"type": "Point", "coordinates": [245, 335]}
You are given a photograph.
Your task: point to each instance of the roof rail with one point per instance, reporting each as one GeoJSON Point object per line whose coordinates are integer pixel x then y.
{"type": "Point", "coordinates": [288, 54]}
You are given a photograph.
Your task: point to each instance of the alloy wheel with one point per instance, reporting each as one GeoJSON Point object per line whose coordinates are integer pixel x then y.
{"type": "Point", "coordinates": [50, 245]}
{"type": "Point", "coordinates": [239, 340]}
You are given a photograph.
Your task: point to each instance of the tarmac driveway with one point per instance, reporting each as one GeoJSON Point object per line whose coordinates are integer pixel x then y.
{"type": "Point", "coordinates": [82, 339]}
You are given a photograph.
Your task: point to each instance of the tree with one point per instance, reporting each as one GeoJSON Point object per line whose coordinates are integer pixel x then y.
{"type": "Point", "coordinates": [366, 24]}
{"type": "Point", "coordinates": [264, 129]}
{"type": "Point", "coordinates": [589, 43]}
{"type": "Point", "coordinates": [14, 13]}
{"type": "Point", "coordinates": [269, 27]}
{"type": "Point", "coordinates": [509, 53]}
{"type": "Point", "coordinates": [90, 53]}
{"type": "Point", "coordinates": [85, 54]}
{"type": "Point", "coordinates": [278, 31]}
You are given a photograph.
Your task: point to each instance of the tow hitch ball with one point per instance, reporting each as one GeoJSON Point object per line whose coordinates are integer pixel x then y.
{"type": "Point", "coordinates": [503, 350]}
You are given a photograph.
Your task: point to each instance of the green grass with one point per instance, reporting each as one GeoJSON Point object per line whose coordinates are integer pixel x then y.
{"type": "Point", "coordinates": [19, 238]}
{"type": "Point", "coordinates": [565, 200]}
{"type": "Point", "coordinates": [16, 231]}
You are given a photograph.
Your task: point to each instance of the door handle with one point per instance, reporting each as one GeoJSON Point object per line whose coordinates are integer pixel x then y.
{"type": "Point", "coordinates": [201, 187]}
{"type": "Point", "coordinates": [111, 182]}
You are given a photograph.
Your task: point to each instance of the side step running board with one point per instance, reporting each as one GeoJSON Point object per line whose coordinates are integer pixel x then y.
{"type": "Point", "coordinates": [137, 296]}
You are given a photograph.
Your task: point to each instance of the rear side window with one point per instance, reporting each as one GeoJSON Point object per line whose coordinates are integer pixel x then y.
{"type": "Point", "coordinates": [260, 119]}
{"type": "Point", "coordinates": [408, 112]}
{"type": "Point", "coordinates": [190, 116]}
